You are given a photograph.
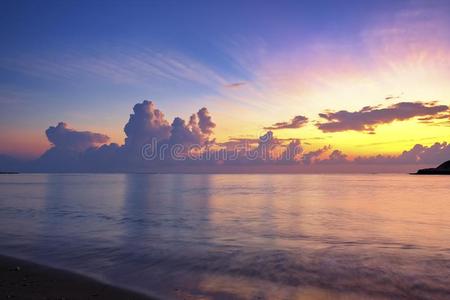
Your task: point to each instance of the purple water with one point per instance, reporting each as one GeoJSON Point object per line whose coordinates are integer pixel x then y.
{"type": "Point", "coordinates": [237, 236]}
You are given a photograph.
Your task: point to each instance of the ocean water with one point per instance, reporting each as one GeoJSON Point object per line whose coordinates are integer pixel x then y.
{"type": "Point", "coordinates": [237, 236]}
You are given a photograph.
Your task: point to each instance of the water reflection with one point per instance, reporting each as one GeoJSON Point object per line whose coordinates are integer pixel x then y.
{"type": "Point", "coordinates": [237, 236]}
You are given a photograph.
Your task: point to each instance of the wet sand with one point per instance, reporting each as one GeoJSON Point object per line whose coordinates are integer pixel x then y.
{"type": "Point", "coordinates": [25, 280]}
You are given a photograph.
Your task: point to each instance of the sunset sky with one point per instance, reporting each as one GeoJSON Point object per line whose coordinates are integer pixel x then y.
{"type": "Point", "coordinates": [366, 77]}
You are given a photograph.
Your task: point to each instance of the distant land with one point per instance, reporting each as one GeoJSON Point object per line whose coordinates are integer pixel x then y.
{"type": "Point", "coordinates": [443, 169]}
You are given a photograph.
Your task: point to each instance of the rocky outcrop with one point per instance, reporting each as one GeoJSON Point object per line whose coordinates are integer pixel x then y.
{"type": "Point", "coordinates": [443, 169]}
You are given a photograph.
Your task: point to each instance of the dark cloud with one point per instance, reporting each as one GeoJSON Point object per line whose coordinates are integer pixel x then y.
{"type": "Point", "coordinates": [370, 117]}
{"type": "Point", "coordinates": [65, 138]}
{"type": "Point", "coordinates": [296, 122]}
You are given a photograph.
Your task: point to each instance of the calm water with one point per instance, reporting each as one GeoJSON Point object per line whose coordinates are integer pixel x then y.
{"type": "Point", "coordinates": [237, 236]}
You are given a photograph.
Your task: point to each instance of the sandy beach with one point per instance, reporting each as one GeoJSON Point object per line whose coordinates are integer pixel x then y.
{"type": "Point", "coordinates": [26, 280]}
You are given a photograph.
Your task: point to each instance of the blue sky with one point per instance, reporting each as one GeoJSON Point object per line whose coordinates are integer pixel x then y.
{"type": "Point", "coordinates": [88, 62]}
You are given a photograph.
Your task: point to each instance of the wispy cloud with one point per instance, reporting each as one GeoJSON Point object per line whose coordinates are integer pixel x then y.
{"type": "Point", "coordinates": [127, 66]}
{"type": "Point", "coordinates": [235, 85]}
{"type": "Point", "coordinates": [13, 95]}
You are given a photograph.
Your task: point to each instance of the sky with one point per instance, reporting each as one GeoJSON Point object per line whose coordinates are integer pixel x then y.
{"type": "Point", "coordinates": [367, 78]}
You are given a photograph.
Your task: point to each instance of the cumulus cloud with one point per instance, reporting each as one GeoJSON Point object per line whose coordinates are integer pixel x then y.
{"type": "Point", "coordinates": [66, 138]}
{"type": "Point", "coordinates": [146, 123]}
{"type": "Point", "coordinates": [434, 154]}
{"type": "Point", "coordinates": [266, 146]}
{"type": "Point", "coordinates": [313, 156]}
{"type": "Point", "coordinates": [78, 150]}
{"type": "Point", "coordinates": [196, 132]}
{"type": "Point", "coordinates": [267, 149]}
{"type": "Point", "coordinates": [182, 133]}
{"type": "Point", "coordinates": [370, 117]}
{"type": "Point", "coordinates": [335, 157]}
{"type": "Point", "coordinates": [68, 150]}
{"type": "Point", "coordinates": [419, 154]}
{"type": "Point", "coordinates": [293, 151]}
{"type": "Point", "coordinates": [296, 122]}
{"type": "Point", "coordinates": [84, 151]}
{"type": "Point", "coordinates": [205, 121]}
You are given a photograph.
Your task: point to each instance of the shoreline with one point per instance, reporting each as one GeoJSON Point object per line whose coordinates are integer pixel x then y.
{"type": "Point", "coordinates": [21, 279]}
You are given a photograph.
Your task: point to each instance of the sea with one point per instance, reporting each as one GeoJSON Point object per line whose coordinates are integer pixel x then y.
{"type": "Point", "coordinates": [237, 236]}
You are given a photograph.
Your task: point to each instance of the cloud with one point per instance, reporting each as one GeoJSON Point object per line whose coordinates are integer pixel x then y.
{"type": "Point", "coordinates": [235, 141]}
{"type": "Point", "coordinates": [442, 119]}
{"type": "Point", "coordinates": [182, 133]}
{"type": "Point", "coordinates": [266, 145]}
{"type": "Point", "coordinates": [392, 97]}
{"type": "Point", "coordinates": [84, 151]}
{"type": "Point", "coordinates": [293, 151]}
{"type": "Point", "coordinates": [265, 150]}
{"type": "Point", "coordinates": [335, 157]}
{"type": "Point", "coordinates": [296, 122]}
{"type": "Point", "coordinates": [205, 121]}
{"type": "Point", "coordinates": [9, 163]}
{"type": "Point", "coordinates": [368, 118]}
{"type": "Point", "coordinates": [76, 151]}
{"type": "Point", "coordinates": [135, 66]}
{"type": "Point", "coordinates": [313, 156]}
{"type": "Point", "coordinates": [235, 85]}
{"type": "Point", "coordinates": [197, 131]}
{"type": "Point", "coordinates": [65, 138]}
{"type": "Point", "coordinates": [146, 123]}
{"type": "Point", "coordinates": [419, 154]}
{"type": "Point", "coordinates": [68, 150]}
